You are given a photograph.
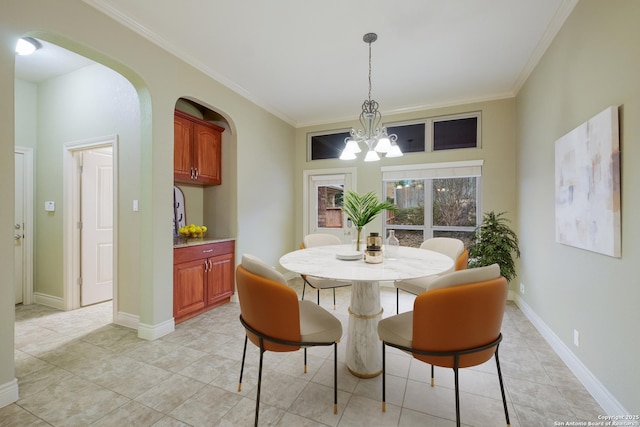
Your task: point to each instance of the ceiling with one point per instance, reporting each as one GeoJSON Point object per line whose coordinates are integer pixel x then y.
{"type": "Point", "coordinates": [306, 61]}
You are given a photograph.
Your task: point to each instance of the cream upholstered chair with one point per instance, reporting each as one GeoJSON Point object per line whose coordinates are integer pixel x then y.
{"type": "Point", "coordinates": [455, 324]}
{"type": "Point", "coordinates": [320, 239]}
{"type": "Point", "coordinates": [275, 320]}
{"type": "Point", "coordinates": [453, 248]}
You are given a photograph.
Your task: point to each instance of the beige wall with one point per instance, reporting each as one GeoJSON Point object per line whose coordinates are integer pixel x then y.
{"type": "Point", "coordinates": [90, 104]}
{"type": "Point", "coordinates": [160, 79]}
{"type": "Point", "coordinates": [497, 152]}
{"type": "Point", "coordinates": [594, 62]}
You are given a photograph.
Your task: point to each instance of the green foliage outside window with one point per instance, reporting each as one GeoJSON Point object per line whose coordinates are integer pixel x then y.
{"type": "Point", "coordinates": [410, 216]}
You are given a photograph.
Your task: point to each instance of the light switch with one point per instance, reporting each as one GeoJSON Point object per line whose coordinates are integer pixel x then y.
{"type": "Point", "coordinates": [135, 206]}
{"type": "Point", "coordinates": [50, 206]}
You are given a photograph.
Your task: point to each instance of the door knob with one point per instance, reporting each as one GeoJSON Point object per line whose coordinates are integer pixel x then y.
{"type": "Point", "coordinates": [17, 226]}
{"type": "Point", "coordinates": [17, 237]}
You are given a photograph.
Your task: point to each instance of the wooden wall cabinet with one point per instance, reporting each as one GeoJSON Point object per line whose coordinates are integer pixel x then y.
{"type": "Point", "coordinates": [197, 150]}
{"type": "Point", "coordinates": [202, 278]}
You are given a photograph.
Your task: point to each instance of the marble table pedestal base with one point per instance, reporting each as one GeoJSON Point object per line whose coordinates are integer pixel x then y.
{"type": "Point", "coordinates": [364, 348]}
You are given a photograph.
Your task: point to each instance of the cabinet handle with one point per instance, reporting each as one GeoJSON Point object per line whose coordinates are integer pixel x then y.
{"type": "Point", "coordinates": [210, 265]}
{"type": "Point", "coordinates": [207, 251]}
{"type": "Point", "coordinates": [206, 266]}
{"type": "Point", "coordinates": [196, 173]}
{"type": "Point", "coordinates": [191, 173]}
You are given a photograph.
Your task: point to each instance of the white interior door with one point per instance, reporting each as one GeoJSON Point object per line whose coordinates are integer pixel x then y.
{"type": "Point", "coordinates": [96, 212]}
{"type": "Point", "coordinates": [19, 255]}
{"type": "Point", "coordinates": [324, 214]}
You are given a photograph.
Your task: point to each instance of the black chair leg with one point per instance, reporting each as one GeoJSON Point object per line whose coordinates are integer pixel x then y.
{"type": "Point", "coordinates": [457, 386]}
{"type": "Point", "coordinates": [305, 360]}
{"type": "Point", "coordinates": [259, 383]}
{"type": "Point", "coordinates": [433, 381]}
{"type": "Point", "coordinates": [504, 399]}
{"type": "Point", "coordinates": [335, 378]}
{"type": "Point", "coordinates": [384, 363]}
{"type": "Point", "coordinates": [397, 300]}
{"type": "Point", "coordinates": [304, 285]}
{"type": "Point", "coordinates": [318, 296]}
{"type": "Point", "coordinates": [244, 353]}
{"type": "Point", "coordinates": [334, 298]}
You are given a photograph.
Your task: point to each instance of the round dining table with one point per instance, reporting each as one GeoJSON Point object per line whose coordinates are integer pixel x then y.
{"type": "Point", "coordinates": [340, 262]}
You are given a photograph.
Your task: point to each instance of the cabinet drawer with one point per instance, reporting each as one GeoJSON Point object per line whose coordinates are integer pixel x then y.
{"type": "Point", "coordinates": [208, 250]}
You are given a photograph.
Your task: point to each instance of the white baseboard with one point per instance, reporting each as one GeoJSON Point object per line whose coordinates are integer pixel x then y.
{"type": "Point", "coordinates": [49, 301]}
{"type": "Point", "coordinates": [125, 319]}
{"type": "Point", "coordinates": [599, 392]}
{"type": "Point", "coordinates": [153, 332]}
{"type": "Point", "coordinates": [8, 393]}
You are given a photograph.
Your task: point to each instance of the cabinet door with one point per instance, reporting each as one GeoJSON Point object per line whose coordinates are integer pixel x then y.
{"type": "Point", "coordinates": [182, 152]}
{"type": "Point", "coordinates": [220, 278]}
{"type": "Point", "coordinates": [188, 288]}
{"type": "Point", "coordinates": [207, 148]}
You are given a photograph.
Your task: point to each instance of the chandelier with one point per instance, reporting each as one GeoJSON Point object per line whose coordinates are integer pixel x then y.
{"type": "Point", "coordinates": [376, 139]}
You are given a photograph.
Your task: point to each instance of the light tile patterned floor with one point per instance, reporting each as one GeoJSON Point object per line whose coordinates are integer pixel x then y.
{"type": "Point", "coordinates": [77, 369]}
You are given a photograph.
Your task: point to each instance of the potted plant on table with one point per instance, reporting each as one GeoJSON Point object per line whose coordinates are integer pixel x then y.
{"type": "Point", "coordinates": [495, 242]}
{"type": "Point", "coordinates": [361, 209]}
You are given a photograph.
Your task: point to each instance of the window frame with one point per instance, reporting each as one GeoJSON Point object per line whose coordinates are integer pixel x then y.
{"type": "Point", "coordinates": [310, 136]}
{"type": "Point", "coordinates": [450, 117]}
{"type": "Point", "coordinates": [428, 132]}
{"type": "Point", "coordinates": [429, 172]}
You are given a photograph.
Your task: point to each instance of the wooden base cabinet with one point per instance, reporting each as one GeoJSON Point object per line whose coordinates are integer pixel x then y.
{"type": "Point", "coordinates": [202, 278]}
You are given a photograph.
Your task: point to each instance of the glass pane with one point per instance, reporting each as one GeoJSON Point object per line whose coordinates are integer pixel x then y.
{"type": "Point", "coordinates": [327, 146]}
{"type": "Point", "coordinates": [454, 202]}
{"type": "Point", "coordinates": [329, 204]}
{"type": "Point", "coordinates": [408, 196]}
{"type": "Point", "coordinates": [410, 137]}
{"type": "Point", "coordinates": [411, 238]}
{"type": "Point", "coordinates": [457, 133]}
{"type": "Point", "coordinates": [465, 236]}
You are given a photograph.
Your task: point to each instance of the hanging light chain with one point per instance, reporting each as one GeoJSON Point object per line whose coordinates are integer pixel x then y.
{"type": "Point", "coordinates": [369, 72]}
{"type": "Point", "coordinates": [375, 137]}
{"type": "Point", "coordinates": [370, 38]}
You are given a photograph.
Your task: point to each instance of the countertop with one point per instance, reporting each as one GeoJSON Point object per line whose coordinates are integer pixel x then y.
{"type": "Point", "coordinates": [180, 242]}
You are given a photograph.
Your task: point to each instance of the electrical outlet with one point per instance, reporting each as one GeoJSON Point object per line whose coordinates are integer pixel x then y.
{"type": "Point", "coordinates": [576, 338]}
{"type": "Point", "coordinates": [522, 288]}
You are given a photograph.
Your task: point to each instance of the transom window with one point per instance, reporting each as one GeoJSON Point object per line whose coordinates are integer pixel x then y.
{"type": "Point", "coordinates": [430, 134]}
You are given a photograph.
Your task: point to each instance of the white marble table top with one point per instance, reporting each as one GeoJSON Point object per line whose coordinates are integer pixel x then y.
{"type": "Point", "coordinates": [321, 261]}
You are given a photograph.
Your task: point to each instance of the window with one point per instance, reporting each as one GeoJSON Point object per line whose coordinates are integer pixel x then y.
{"type": "Point", "coordinates": [329, 205]}
{"type": "Point", "coordinates": [326, 146]}
{"type": "Point", "coordinates": [417, 136]}
{"type": "Point", "coordinates": [410, 137]}
{"type": "Point", "coordinates": [433, 201]}
{"type": "Point", "coordinates": [455, 133]}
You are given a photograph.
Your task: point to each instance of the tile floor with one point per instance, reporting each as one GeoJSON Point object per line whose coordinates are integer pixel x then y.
{"type": "Point", "coordinates": [77, 369]}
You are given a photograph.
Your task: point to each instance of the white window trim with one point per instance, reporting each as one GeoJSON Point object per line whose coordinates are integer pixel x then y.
{"type": "Point", "coordinates": [321, 133]}
{"type": "Point", "coordinates": [460, 169]}
{"type": "Point", "coordinates": [469, 115]}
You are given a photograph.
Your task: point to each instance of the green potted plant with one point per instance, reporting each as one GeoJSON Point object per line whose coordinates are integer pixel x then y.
{"type": "Point", "coordinates": [362, 209]}
{"type": "Point", "coordinates": [495, 242]}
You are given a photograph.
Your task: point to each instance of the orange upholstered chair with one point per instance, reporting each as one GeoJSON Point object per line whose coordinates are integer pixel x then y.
{"type": "Point", "coordinates": [320, 239]}
{"type": "Point", "coordinates": [453, 248]}
{"type": "Point", "coordinates": [455, 324]}
{"type": "Point", "coordinates": [275, 320]}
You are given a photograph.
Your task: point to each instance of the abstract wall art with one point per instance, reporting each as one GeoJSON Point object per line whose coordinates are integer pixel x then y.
{"type": "Point", "coordinates": [587, 178]}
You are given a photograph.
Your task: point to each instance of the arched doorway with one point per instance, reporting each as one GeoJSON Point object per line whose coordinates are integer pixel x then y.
{"type": "Point", "coordinates": [80, 103]}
